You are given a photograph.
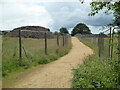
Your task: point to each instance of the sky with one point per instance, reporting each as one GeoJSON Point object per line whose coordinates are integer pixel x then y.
{"type": "Point", "coordinates": [52, 14]}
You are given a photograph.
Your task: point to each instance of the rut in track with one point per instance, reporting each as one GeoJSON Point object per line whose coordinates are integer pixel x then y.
{"type": "Point", "coordinates": [59, 73]}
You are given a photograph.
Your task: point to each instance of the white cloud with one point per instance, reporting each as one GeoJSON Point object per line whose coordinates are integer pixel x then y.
{"type": "Point", "coordinates": [70, 14]}
{"type": "Point", "coordinates": [95, 29]}
{"type": "Point", "coordinates": [15, 15]}
{"type": "Point", "coordinates": [49, 13]}
{"type": "Point", "coordinates": [38, 1]}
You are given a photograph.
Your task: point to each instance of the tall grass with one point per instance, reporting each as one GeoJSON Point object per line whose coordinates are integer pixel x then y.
{"type": "Point", "coordinates": [96, 73]}
{"type": "Point", "coordinates": [33, 55]}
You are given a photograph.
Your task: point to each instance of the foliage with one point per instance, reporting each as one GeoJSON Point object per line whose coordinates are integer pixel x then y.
{"type": "Point", "coordinates": [56, 33]}
{"type": "Point", "coordinates": [81, 29]}
{"type": "Point", "coordinates": [95, 73]}
{"type": "Point", "coordinates": [111, 7]}
{"type": "Point", "coordinates": [4, 32]}
{"type": "Point", "coordinates": [63, 30]}
{"type": "Point", "coordinates": [118, 31]}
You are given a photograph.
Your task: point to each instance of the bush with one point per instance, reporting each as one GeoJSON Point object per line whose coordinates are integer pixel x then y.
{"type": "Point", "coordinates": [96, 73]}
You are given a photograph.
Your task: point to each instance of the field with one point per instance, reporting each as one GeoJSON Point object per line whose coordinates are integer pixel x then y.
{"type": "Point", "coordinates": [57, 74]}
{"type": "Point", "coordinates": [96, 72]}
{"type": "Point", "coordinates": [33, 53]}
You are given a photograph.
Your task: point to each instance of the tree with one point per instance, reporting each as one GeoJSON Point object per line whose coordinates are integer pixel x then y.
{"type": "Point", "coordinates": [110, 8]}
{"type": "Point", "coordinates": [4, 32]}
{"type": "Point", "coordinates": [63, 30]}
{"type": "Point", "coordinates": [56, 33]}
{"type": "Point", "coordinates": [81, 29]}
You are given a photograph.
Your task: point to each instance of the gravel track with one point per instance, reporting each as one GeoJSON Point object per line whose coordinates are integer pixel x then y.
{"type": "Point", "coordinates": [59, 73]}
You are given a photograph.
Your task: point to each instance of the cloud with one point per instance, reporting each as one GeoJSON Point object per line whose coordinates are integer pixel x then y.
{"type": "Point", "coordinates": [71, 13]}
{"type": "Point", "coordinates": [49, 13]}
{"type": "Point", "coordinates": [95, 29]}
{"type": "Point", "coordinates": [15, 15]}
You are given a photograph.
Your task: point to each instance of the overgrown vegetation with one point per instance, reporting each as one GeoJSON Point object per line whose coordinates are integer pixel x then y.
{"type": "Point", "coordinates": [96, 73]}
{"type": "Point", "coordinates": [32, 54]}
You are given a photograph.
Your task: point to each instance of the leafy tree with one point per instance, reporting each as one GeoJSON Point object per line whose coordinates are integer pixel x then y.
{"type": "Point", "coordinates": [81, 29]}
{"type": "Point", "coordinates": [4, 32]}
{"type": "Point", "coordinates": [110, 8]}
{"type": "Point", "coordinates": [48, 30]}
{"type": "Point", "coordinates": [56, 33]}
{"type": "Point", "coordinates": [63, 30]}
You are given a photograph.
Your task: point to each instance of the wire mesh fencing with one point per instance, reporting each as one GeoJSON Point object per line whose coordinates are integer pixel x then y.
{"type": "Point", "coordinates": [31, 47]}
{"type": "Point", "coordinates": [106, 45]}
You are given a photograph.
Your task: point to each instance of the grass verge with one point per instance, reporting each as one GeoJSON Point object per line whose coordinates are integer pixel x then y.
{"type": "Point", "coordinates": [95, 73]}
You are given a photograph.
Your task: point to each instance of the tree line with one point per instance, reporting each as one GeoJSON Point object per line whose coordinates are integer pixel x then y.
{"type": "Point", "coordinates": [80, 28]}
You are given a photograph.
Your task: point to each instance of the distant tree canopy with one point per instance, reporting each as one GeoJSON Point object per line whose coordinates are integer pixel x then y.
{"type": "Point", "coordinates": [63, 30]}
{"type": "Point", "coordinates": [56, 33]}
{"type": "Point", "coordinates": [81, 29]}
{"type": "Point", "coordinates": [4, 32]}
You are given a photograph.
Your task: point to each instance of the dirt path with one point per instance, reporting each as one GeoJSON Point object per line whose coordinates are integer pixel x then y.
{"type": "Point", "coordinates": [59, 73]}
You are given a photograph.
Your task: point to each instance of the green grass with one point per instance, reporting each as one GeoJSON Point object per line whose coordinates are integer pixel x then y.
{"type": "Point", "coordinates": [35, 54]}
{"type": "Point", "coordinates": [96, 73]}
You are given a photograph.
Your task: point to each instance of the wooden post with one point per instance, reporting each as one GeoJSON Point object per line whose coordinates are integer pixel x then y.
{"type": "Point", "coordinates": [63, 40]}
{"type": "Point", "coordinates": [66, 39]}
{"type": "Point", "coordinates": [102, 46]}
{"type": "Point", "coordinates": [20, 48]}
{"type": "Point", "coordinates": [99, 47]}
{"type": "Point", "coordinates": [110, 42]}
{"type": "Point", "coordinates": [119, 47]}
{"type": "Point", "coordinates": [58, 40]}
{"type": "Point", "coordinates": [119, 58]}
{"type": "Point", "coordinates": [45, 43]}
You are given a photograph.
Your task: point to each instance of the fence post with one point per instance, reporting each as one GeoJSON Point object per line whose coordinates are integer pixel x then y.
{"type": "Point", "coordinates": [99, 41]}
{"type": "Point", "coordinates": [101, 46]}
{"type": "Point", "coordinates": [119, 46]}
{"type": "Point", "coordinates": [45, 43]}
{"type": "Point", "coordinates": [58, 40]}
{"type": "Point", "coordinates": [66, 39]}
{"type": "Point", "coordinates": [20, 48]}
{"type": "Point", "coordinates": [63, 40]}
{"type": "Point", "coordinates": [110, 42]}
{"type": "Point", "coordinates": [119, 58]}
